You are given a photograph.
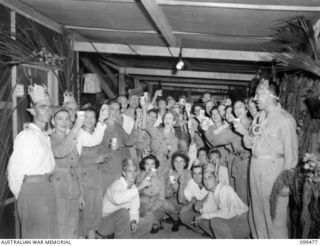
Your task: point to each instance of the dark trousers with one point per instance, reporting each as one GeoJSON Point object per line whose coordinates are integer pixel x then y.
{"type": "Point", "coordinates": [234, 228]}
{"type": "Point", "coordinates": [37, 210]}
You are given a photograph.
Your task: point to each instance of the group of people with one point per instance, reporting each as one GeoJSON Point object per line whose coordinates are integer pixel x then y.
{"type": "Point", "coordinates": [143, 161]}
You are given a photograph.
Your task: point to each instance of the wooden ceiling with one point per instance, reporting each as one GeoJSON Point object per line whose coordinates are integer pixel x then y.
{"type": "Point", "coordinates": [230, 36]}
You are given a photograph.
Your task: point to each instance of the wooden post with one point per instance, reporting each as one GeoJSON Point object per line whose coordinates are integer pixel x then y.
{"type": "Point", "coordinates": [136, 83]}
{"type": "Point", "coordinates": [122, 82]}
{"type": "Point", "coordinates": [150, 89]}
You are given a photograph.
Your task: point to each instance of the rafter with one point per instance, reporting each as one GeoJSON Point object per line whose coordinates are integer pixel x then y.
{"type": "Point", "coordinates": [143, 50]}
{"type": "Point", "coordinates": [160, 20]}
{"type": "Point", "coordinates": [189, 74]}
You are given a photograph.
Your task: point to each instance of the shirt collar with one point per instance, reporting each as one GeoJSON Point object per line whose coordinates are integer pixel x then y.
{"type": "Point", "coordinates": [33, 126]}
{"type": "Point", "coordinates": [215, 193]}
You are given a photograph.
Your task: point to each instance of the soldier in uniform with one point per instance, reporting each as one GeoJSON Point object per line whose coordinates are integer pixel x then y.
{"type": "Point", "coordinates": [274, 145]}
{"type": "Point", "coordinates": [29, 171]}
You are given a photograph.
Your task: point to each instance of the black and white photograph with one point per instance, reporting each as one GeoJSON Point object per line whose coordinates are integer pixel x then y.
{"type": "Point", "coordinates": [159, 119]}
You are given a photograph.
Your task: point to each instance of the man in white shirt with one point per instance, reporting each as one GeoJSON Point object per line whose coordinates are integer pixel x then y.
{"type": "Point", "coordinates": [121, 205]}
{"type": "Point", "coordinates": [223, 214]}
{"type": "Point", "coordinates": [194, 193]}
{"type": "Point", "coordinates": [29, 171]}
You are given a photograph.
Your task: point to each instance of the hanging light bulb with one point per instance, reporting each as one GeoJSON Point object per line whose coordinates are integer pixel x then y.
{"type": "Point", "coordinates": [180, 63]}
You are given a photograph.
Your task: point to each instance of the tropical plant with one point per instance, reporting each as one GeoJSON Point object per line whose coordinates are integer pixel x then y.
{"type": "Point", "coordinates": [299, 45]}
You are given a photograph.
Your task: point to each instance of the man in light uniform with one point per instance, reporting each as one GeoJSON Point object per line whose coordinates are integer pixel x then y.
{"type": "Point", "coordinates": [29, 171]}
{"type": "Point", "coordinates": [274, 147]}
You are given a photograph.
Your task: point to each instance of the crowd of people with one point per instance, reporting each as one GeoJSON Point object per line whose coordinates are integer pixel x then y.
{"type": "Point", "coordinates": [144, 161]}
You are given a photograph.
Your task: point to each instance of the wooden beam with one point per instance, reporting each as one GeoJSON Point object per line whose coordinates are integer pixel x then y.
{"type": "Point", "coordinates": [30, 13]}
{"type": "Point", "coordinates": [143, 50]}
{"type": "Point", "coordinates": [110, 64]}
{"type": "Point", "coordinates": [111, 76]}
{"type": "Point", "coordinates": [94, 69]}
{"type": "Point", "coordinates": [190, 74]}
{"type": "Point", "coordinates": [122, 82]}
{"type": "Point", "coordinates": [213, 91]}
{"type": "Point", "coordinates": [194, 81]}
{"type": "Point", "coordinates": [160, 20]}
{"type": "Point", "coordinates": [315, 8]}
{"type": "Point", "coordinates": [179, 85]}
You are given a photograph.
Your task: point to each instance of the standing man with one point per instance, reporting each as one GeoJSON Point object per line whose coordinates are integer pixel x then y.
{"type": "Point", "coordinates": [29, 171]}
{"type": "Point", "coordinates": [274, 145]}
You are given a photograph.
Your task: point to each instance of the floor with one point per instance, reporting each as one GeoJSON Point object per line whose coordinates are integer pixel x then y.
{"type": "Point", "coordinates": [183, 233]}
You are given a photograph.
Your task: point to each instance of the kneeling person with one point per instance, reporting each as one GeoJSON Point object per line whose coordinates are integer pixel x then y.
{"type": "Point", "coordinates": [121, 205]}
{"type": "Point", "coordinates": [223, 214]}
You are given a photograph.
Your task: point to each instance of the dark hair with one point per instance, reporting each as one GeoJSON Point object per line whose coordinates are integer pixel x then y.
{"type": "Point", "coordinates": [125, 163]}
{"type": "Point", "coordinates": [183, 156]}
{"type": "Point", "coordinates": [149, 157]}
{"type": "Point", "coordinates": [202, 149]}
{"type": "Point", "coordinates": [196, 166]}
{"type": "Point", "coordinates": [214, 108]}
{"type": "Point", "coordinates": [214, 151]}
{"type": "Point", "coordinates": [196, 105]}
{"type": "Point", "coordinates": [274, 89]}
{"type": "Point", "coordinates": [152, 111]}
{"type": "Point", "coordinates": [89, 108]}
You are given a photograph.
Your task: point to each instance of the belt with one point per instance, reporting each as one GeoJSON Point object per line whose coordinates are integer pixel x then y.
{"type": "Point", "coordinates": [242, 155]}
{"type": "Point", "coordinates": [275, 156]}
{"type": "Point", "coordinates": [37, 178]}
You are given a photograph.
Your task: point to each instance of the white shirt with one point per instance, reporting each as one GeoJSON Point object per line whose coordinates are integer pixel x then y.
{"type": "Point", "coordinates": [223, 175]}
{"type": "Point", "coordinates": [223, 203]}
{"type": "Point", "coordinates": [127, 124]}
{"type": "Point", "coordinates": [193, 190]}
{"type": "Point", "coordinates": [119, 196]}
{"type": "Point", "coordinates": [32, 155]}
{"type": "Point", "coordinates": [86, 139]}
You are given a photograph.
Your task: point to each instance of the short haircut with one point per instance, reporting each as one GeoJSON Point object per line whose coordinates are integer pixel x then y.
{"type": "Point", "coordinates": [152, 111]}
{"type": "Point", "coordinates": [202, 149]}
{"type": "Point", "coordinates": [125, 164]}
{"type": "Point", "coordinates": [196, 166]}
{"type": "Point", "coordinates": [215, 108]}
{"type": "Point", "coordinates": [196, 105]}
{"type": "Point", "coordinates": [183, 156]}
{"type": "Point", "coordinates": [274, 89]}
{"type": "Point", "coordinates": [149, 157]}
{"type": "Point", "coordinates": [89, 108]}
{"type": "Point", "coordinates": [214, 151]}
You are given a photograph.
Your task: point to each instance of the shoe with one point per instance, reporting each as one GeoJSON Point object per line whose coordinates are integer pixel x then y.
{"type": "Point", "coordinates": [175, 226]}
{"type": "Point", "coordinates": [155, 229]}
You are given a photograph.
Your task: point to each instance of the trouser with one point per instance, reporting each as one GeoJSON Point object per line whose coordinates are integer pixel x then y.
{"type": "Point", "coordinates": [37, 210]}
{"type": "Point", "coordinates": [236, 227]}
{"type": "Point", "coordinates": [144, 226]}
{"type": "Point", "coordinates": [263, 173]}
{"type": "Point", "coordinates": [241, 188]}
{"type": "Point", "coordinates": [118, 223]}
{"type": "Point", "coordinates": [91, 215]}
{"type": "Point", "coordinates": [187, 215]}
{"type": "Point", "coordinates": [68, 217]}
{"type": "Point", "coordinates": [172, 208]}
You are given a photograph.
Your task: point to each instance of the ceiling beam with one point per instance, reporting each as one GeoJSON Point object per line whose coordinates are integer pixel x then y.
{"type": "Point", "coordinates": [30, 13]}
{"type": "Point", "coordinates": [194, 81]}
{"type": "Point", "coordinates": [143, 50]}
{"type": "Point", "coordinates": [198, 90]}
{"type": "Point", "coordinates": [189, 74]}
{"type": "Point", "coordinates": [179, 85]}
{"type": "Point", "coordinates": [160, 20]}
{"type": "Point", "coordinates": [273, 7]}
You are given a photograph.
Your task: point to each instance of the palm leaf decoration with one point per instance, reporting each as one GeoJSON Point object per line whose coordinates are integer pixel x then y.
{"type": "Point", "coordinates": [299, 45]}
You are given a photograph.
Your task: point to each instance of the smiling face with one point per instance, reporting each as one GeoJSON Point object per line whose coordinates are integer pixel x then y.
{"type": "Point", "coordinates": [130, 173]}
{"type": "Point", "coordinates": [162, 105]}
{"type": "Point", "coordinates": [149, 165]}
{"type": "Point", "coordinates": [90, 120]}
{"type": "Point", "coordinates": [222, 111]}
{"type": "Point", "coordinates": [134, 101]}
{"type": "Point", "coordinates": [262, 100]}
{"type": "Point", "coordinates": [197, 175]}
{"type": "Point", "coordinates": [179, 164]}
{"type": "Point", "coordinates": [151, 118]}
{"type": "Point", "coordinates": [197, 110]}
{"type": "Point", "coordinates": [169, 119]}
{"type": "Point", "coordinates": [215, 116]}
{"type": "Point", "coordinates": [114, 111]}
{"type": "Point", "coordinates": [214, 158]}
{"type": "Point", "coordinates": [229, 115]}
{"type": "Point", "coordinates": [206, 97]}
{"type": "Point", "coordinates": [202, 156]}
{"type": "Point", "coordinates": [42, 111]}
{"type": "Point", "coordinates": [123, 102]}
{"type": "Point", "coordinates": [240, 110]}
{"type": "Point", "coordinates": [61, 121]}
{"type": "Point", "coordinates": [252, 107]}
{"type": "Point", "coordinates": [209, 180]}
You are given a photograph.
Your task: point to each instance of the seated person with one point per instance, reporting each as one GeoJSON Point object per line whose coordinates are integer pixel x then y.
{"type": "Point", "coordinates": [222, 214]}
{"type": "Point", "coordinates": [176, 182]}
{"type": "Point", "coordinates": [152, 197]}
{"type": "Point", "coordinates": [121, 205]}
{"type": "Point", "coordinates": [221, 171]}
{"type": "Point", "coordinates": [194, 193]}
